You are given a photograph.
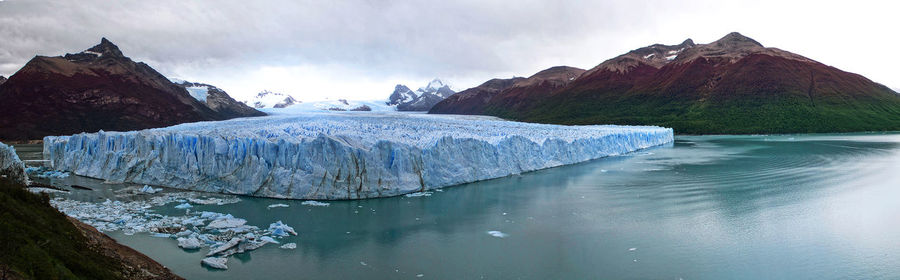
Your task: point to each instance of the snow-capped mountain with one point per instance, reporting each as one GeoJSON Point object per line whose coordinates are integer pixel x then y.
{"type": "Point", "coordinates": [217, 99]}
{"type": "Point", "coordinates": [420, 100]}
{"type": "Point", "coordinates": [268, 99]}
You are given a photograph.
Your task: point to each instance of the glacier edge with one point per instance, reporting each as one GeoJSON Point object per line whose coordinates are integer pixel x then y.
{"type": "Point", "coordinates": [338, 156]}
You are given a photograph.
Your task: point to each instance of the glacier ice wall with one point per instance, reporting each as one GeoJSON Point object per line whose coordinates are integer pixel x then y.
{"type": "Point", "coordinates": [338, 156]}
{"type": "Point", "coordinates": [10, 165]}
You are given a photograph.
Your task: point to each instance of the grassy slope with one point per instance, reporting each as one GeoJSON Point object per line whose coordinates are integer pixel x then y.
{"type": "Point", "coordinates": [784, 114]}
{"type": "Point", "coordinates": [37, 242]}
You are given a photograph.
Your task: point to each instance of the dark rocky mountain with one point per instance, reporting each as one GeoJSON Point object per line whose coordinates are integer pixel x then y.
{"type": "Point", "coordinates": [732, 85]}
{"type": "Point", "coordinates": [2, 80]}
{"type": "Point", "coordinates": [95, 89]}
{"type": "Point", "coordinates": [422, 99]}
{"type": "Point", "coordinates": [219, 101]}
{"type": "Point", "coordinates": [401, 94]}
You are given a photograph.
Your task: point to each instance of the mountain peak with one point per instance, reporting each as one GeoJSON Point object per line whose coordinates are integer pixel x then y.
{"type": "Point", "coordinates": [106, 48]}
{"type": "Point", "coordinates": [435, 84]}
{"type": "Point", "coordinates": [737, 39]}
{"type": "Point", "coordinates": [401, 87]}
{"type": "Point", "coordinates": [422, 99]}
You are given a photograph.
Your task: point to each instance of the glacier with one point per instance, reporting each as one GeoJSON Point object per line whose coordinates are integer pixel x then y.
{"type": "Point", "coordinates": [11, 167]}
{"type": "Point", "coordinates": [334, 156]}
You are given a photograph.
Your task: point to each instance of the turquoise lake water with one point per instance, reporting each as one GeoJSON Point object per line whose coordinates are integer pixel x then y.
{"type": "Point", "coordinates": [706, 207]}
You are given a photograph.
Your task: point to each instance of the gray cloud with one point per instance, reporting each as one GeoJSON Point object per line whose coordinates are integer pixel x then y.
{"type": "Point", "coordinates": [377, 43]}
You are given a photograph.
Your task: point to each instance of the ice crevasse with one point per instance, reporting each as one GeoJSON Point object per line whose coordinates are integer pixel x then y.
{"type": "Point", "coordinates": [338, 156]}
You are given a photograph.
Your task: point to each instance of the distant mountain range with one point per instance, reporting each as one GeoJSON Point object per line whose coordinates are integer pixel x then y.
{"type": "Point", "coordinates": [268, 99]}
{"type": "Point", "coordinates": [420, 100]}
{"type": "Point", "coordinates": [732, 85]}
{"type": "Point", "coordinates": [402, 99]}
{"type": "Point", "coordinates": [101, 89]}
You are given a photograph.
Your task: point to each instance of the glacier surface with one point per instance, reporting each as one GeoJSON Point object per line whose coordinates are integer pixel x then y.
{"type": "Point", "coordinates": [338, 155]}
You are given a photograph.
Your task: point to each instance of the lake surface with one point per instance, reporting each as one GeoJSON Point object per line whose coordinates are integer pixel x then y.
{"type": "Point", "coordinates": [707, 207]}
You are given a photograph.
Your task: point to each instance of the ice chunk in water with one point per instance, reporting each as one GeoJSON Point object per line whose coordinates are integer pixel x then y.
{"type": "Point", "coordinates": [280, 229]}
{"type": "Point", "coordinates": [496, 233]}
{"type": "Point", "coordinates": [226, 222]}
{"type": "Point", "coordinates": [419, 194]}
{"type": "Point", "coordinates": [314, 203]}
{"type": "Point", "coordinates": [189, 243]}
{"type": "Point", "coordinates": [214, 262]}
{"type": "Point", "coordinates": [150, 190]}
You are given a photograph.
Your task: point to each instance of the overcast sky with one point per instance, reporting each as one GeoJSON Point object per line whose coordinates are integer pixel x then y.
{"type": "Point", "coordinates": [360, 49]}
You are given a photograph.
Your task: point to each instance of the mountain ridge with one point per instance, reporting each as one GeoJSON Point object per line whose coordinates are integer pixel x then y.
{"type": "Point", "coordinates": [95, 89]}
{"type": "Point", "coordinates": [733, 85]}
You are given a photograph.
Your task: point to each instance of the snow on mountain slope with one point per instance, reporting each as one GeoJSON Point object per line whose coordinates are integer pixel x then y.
{"type": "Point", "coordinates": [268, 99]}
{"type": "Point", "coordinates": [198, 92]}
{"type": "Point", "coordinates": [433, 86]}
{"type": "Point", "coordinates": [338, 155]}
{"type": "Point", "coordinates": [217, 99]}
{"type": "Point", "coordinates": [420, 100]}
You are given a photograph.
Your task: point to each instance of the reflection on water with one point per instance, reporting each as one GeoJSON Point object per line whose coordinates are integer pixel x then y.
{"type": "Point", "coordinates": [709, 207]}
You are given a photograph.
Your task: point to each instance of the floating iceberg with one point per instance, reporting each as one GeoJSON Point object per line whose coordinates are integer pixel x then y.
{"type": "Point", "coordinates": [44, 190]}
{"type": "Point", "coordinates": [150, 190]}
{"type": "Point", "coordinates": [215, 200]}
{"type": "Point", "coordinates": [224, 234]}
{"type": "Point", "coordinates": [214, 262]}
{"type": "Point", "coordinates": [280, 229]}
{"type": "Point", "coordinates": [227, 245]}
{"type": "Point", "coordinates": [277, 205]}
{"type": "Point", "coordinates": [183, 206]}
{"type": "Point", "coordinates": [314, 203]}
{"type": "Point", "coordinates": [497, 233]}
{"type": "Point", "coordinates": [226, 222]}
{"type": "Point", "coordinates": [289, 246]}
{"type": "Point", "coordinates": [42, 172]}
{"type": "Point", "coordinates": [189, 243]}
{"type": "Point", "coordinates": [338, 156]}
{"type": "Point", "coordinates": [419, 194]}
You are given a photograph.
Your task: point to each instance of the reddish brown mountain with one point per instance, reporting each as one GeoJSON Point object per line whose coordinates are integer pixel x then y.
{"type": "Point", "coordinates": [96, 89]}
{"type": "Point", "coordinates": [732, 85]}
{"type": "Point", "coordinates": [523, 94]}
{"type": "Point", "coordinates": [474, 100]}
{"type": "Point", "coordinates": [513, 94]}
